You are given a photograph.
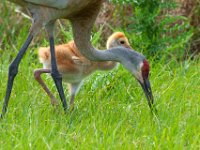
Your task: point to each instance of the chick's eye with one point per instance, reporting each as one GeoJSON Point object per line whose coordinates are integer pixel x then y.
{"type": "Point", "coordinates": [122, 42]}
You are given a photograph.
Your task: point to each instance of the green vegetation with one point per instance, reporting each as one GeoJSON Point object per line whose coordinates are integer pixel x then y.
{"type": "Point", "coordinates": [111, 111]}
{"type": "Point", "coordinates": [155, 31]}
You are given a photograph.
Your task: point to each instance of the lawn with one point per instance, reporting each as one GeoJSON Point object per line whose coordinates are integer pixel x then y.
{"type": "Point", "coordinates": [111, 111]}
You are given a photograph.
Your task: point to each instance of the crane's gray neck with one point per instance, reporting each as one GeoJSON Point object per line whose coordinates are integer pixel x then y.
{"type": "Point", "coordinates": [118, 54]}
{"type": "Point", "coordinates": [82, 25]}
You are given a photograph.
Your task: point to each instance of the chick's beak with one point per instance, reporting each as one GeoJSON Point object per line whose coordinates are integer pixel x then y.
{"type": "Point", "coordinates": [146, 86]}
{"type": "Point", "coordinates": [128, 46]}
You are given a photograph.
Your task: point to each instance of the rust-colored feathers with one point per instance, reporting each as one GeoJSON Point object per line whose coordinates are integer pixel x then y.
{"type": "Point", "coordinates": [69, 59]}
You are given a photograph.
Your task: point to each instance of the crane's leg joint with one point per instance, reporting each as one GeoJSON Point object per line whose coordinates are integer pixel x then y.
{"type": "Point", "coordinates": [56, 75]}
{"type": "Point", "coordinates": [13, 70]}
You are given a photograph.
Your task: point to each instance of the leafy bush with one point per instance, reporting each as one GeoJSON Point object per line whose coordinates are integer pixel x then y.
{"type": "Point", "coordinates": [154, 31]}
{"type": "Point", "coordinates": [195, 22]}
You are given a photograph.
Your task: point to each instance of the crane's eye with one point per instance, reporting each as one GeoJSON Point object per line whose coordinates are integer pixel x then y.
{"type": "Point", "coordinates": [122, 42]}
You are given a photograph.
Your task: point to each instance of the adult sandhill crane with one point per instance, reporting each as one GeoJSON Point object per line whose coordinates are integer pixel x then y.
{"type": "Point", "coordinates": [73, 66]}
{"type": "Point", "coordinates": [82, 14]}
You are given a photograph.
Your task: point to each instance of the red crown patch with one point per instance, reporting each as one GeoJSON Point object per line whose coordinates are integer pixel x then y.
{"type": "Point", "coordinates": [145, 69]}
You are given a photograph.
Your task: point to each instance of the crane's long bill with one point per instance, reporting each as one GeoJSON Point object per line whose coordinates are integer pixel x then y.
{"type": "Point", "coordinates": [146, 86]}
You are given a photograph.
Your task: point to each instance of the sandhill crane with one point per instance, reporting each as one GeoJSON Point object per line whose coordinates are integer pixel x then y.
{"type": "Point", "coordinates": [73, 66]}
{"type": "Point", "coordinates": [82, 15]}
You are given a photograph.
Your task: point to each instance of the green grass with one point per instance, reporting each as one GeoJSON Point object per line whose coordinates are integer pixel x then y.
{"type": "Point", "coordinates": [111, 111]}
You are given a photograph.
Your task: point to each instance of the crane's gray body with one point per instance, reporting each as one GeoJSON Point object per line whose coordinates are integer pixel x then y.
{"type": "Point", "coordinates": [69, 7]}
{"type": "Point", "coordinates": [45, 11]}
{"type": "Point", "coordinates": [59, 4]}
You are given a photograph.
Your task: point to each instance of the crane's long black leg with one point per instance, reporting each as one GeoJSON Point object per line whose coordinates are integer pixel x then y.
{"type": "Point", "coordinates": [13, 70]}
{"type": "Point", "coordinates": [56, 75]}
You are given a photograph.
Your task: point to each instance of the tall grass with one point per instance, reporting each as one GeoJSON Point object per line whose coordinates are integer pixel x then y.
{"type": "Point", "coordinates": [155, 30]}
{"type": "Point", "coordinates": [111, 111]}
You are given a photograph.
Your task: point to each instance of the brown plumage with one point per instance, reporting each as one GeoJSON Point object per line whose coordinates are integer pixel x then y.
{"type": "Point", "coordinates": [73, 66]}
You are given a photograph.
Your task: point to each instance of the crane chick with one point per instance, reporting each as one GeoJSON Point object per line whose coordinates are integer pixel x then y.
{"type": "Point", "coordinates": [73, 66]}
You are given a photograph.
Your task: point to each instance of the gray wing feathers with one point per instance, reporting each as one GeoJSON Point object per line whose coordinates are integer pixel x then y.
{"type": "Point", "coordinates": [59, 4]}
